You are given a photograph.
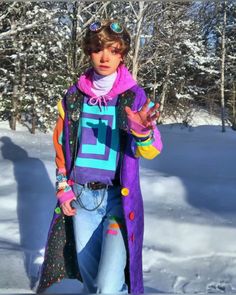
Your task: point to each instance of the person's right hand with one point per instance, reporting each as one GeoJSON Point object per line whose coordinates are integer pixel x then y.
{"type": "Point", "coordinates": [67, 209]}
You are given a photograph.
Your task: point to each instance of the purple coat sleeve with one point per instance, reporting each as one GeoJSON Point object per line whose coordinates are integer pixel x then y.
{"type": "Point", "coordinates": [152, 146]}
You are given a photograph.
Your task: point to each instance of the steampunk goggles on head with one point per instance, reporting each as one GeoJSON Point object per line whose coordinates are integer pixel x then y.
{"type": "Point", "coordinates": [114, 26]}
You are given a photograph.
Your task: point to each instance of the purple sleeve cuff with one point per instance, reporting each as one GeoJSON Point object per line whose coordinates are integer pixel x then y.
{"type": "Point", "coordinates": [158, 142]}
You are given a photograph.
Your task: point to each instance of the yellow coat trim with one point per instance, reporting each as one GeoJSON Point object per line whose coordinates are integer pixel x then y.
{"type": "Point", "coordinates": [60, 109]}
{"type": "Point", "coordinates": [138, 134]}
{"type": "Point", "coordinates": [148, 152]}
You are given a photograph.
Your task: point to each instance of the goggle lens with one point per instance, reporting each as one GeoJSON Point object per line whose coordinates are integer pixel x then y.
{"type": "Point", "coordinates": [115, 27]}
{"type": "Point", "coordinates": [95, 26]}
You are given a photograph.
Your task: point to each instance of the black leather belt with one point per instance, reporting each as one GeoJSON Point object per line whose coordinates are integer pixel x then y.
{"type": "Point", "coordinates": [94, 185]}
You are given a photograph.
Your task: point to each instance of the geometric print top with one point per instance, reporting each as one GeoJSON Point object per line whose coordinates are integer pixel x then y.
{"type": "Point", "coordinates": [98, 134]}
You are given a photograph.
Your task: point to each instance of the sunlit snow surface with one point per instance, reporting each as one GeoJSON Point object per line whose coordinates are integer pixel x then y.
{"type": "Point", "coordinates": [189, 196]}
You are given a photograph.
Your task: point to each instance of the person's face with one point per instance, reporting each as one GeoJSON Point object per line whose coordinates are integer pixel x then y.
{"type": "Point", "coordinates": [107, 60]}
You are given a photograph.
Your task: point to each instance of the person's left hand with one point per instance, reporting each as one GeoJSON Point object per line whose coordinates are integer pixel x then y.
{"type": "Point", "coordinates": [145, 116]}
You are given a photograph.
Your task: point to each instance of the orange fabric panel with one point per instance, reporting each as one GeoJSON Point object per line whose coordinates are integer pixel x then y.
{"type": "Point", "coordinates": [60, 159]}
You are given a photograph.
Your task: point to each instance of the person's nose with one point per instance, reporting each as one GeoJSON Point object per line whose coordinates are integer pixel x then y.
{"type": "Point", "coordinates": [105, 55]}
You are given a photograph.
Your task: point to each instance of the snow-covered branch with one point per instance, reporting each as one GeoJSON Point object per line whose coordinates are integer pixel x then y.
{"type": "Point", "coordinates": [20, 29]}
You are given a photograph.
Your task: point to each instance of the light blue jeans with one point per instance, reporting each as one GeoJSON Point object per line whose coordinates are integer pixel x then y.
{"type": "Point", "coordinates": [100, 239]}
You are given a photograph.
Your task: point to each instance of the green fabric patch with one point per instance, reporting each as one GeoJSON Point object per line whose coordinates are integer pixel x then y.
{"type": "Point", "coordinates": [60, 138]}
{"type": "Point", "coordinates": [147, 143]}
{"type": "Point", "coordinates": [58, 210]}
{"type": "Point", "coordinates": [118, 219]}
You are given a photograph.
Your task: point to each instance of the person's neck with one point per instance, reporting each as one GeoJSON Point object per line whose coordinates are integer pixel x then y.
{"type": "Point", "coordinates": [103, 84]}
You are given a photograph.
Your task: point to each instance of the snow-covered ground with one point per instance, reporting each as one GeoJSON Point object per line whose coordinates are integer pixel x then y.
{"type": "Point", "coordinates": [190, 203]}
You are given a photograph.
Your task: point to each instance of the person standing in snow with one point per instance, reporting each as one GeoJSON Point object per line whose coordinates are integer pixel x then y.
{"type": "Point", "coordinates": [105, 124]}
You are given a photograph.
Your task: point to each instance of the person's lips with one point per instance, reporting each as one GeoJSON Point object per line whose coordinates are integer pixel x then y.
{"type": "Point", "coordinates": [103, 67]}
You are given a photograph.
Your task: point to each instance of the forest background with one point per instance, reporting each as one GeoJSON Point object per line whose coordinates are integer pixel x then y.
{"type": "Point", "coordinates": [183, 54]}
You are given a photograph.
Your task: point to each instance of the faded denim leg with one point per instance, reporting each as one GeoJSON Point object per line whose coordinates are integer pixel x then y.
{"type": "Point", "coordinates": [88, 237]}
{"type": "Point", "coordinates": [111, 272]}
{"type": "Point", "coordinates": [99, 237]}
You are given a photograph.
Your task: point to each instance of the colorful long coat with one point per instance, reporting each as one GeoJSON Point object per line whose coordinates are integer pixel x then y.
{"type": "Point", "coordinates": [60, 255]}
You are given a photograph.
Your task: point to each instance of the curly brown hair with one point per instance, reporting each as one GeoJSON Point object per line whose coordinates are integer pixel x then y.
{"type": "Point", "coordinates": [94, 41]}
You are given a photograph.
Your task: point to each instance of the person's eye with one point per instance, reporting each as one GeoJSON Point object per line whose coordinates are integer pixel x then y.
{"type": "Point", "coordinates": [115, 51]}
{"type": "Point", "coordinates": [97, 49]}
